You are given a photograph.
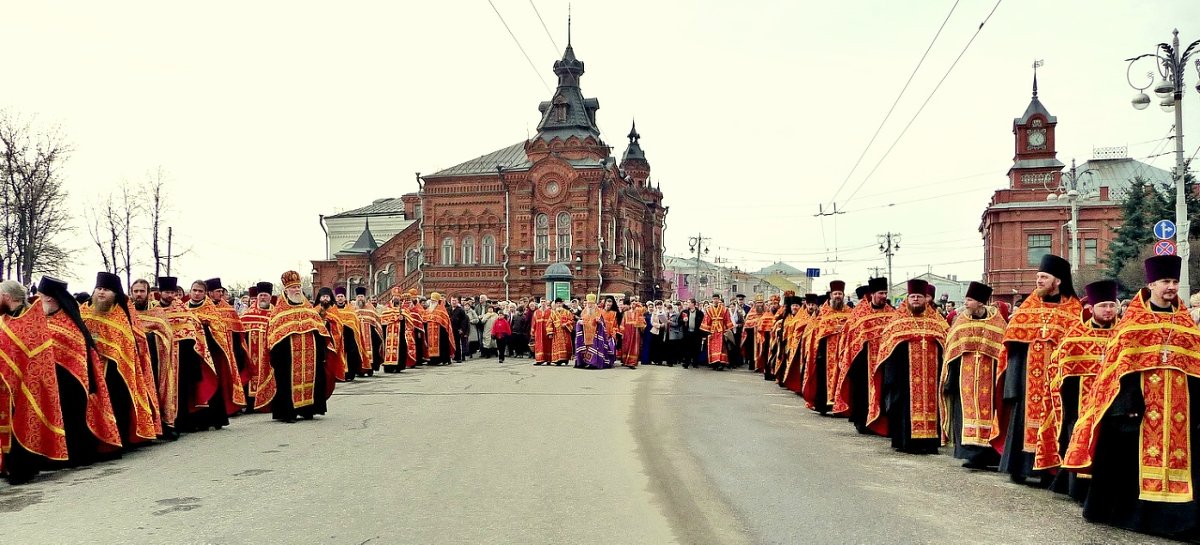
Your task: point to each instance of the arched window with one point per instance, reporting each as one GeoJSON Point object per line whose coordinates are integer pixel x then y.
{"type": "Point", "coordinates": [562, 230]}
{"type": "Point", "coordinates": [541, 238]}
{"type": "Point", "coordinates": [628, 243]}
{"type": "Point", "coordinates": [448, 251]}
{"type": "Point", "coordinates": [487, 250]}
{"type": "Point", "coordinates": [412, 260]}
{"type": "Point", "coordinates": [468, 251]}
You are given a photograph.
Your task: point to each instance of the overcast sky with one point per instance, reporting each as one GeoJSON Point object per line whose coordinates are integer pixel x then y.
{"type": "Point", "coordinates": [266, 114]}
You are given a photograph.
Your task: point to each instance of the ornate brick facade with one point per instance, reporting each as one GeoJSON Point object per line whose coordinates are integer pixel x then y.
{"type": "Point", "coordinates": [492, 225]}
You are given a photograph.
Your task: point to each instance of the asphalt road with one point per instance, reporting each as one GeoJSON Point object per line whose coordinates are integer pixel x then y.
{"type": "Point", "coordinates": [488, 453]}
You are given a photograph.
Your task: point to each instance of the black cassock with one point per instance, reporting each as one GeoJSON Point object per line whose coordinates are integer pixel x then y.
{"type": "Point", "coordinates": [896, 403]}
{"type": "Point", "coordinates": [1113, 495]}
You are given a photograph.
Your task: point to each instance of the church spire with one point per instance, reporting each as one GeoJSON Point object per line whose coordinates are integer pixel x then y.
{"type": "Point", "coordinates": [568, 113]}
{"type": "Point", "coordinates": [1036, 64]}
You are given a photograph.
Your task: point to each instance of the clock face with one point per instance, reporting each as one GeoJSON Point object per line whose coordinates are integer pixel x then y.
{"type": "Point", "coordinates": [1037, 138]}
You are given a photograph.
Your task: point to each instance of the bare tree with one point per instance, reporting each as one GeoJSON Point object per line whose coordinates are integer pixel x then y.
{"type": "Point", "coordinates": [34, 201]}
{"type": "Point", "coordinates": [130, 209]}
{"type": "Point", "coordinates": [156, 199]}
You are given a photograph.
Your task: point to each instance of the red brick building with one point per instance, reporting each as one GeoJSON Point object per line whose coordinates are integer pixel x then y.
{"type": "Point", "coordinates": [1031, 217]}
{"type": "Point", "coordinates": [493, 225]}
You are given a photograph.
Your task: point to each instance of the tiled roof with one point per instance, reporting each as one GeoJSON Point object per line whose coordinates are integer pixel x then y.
{"type": "Point", "coordinates": [512, 158]}
{"type": "Point", "coordinates": [381, 207]}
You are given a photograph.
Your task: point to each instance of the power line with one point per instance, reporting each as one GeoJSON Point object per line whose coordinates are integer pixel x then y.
{"type": "Point", "coordinates": [926, 103]}
{"type": "Point", "coordinates": [514, 37]}
{"type": "Point", "coordinates": [548, 35]}
{"type": "Point", "coordinates": [894, 103]}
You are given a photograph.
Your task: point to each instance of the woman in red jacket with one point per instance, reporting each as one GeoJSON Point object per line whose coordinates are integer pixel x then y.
{"type": "Point", "coordinates": [501, 331]}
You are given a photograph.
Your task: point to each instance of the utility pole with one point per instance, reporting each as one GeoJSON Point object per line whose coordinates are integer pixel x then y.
{"type": "Point", "coordinates": [695, 244]}
{"type": "Point", "coordinates": [876, 272]}
{"type": "Point", "coordinates": [889, 244]}
{"type": "Point", "coordinates": [821, 213]}
{"type": "Point", "coordinates": [168, 253]}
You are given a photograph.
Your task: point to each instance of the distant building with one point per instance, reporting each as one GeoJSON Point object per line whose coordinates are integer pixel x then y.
{"type": "Point", "coordinates": [949, 288]}
{"type": "Point", "coordinates": [1027, 219]}
{"type": "Point", "coordinates": [799, 279]}
{"type": "Point", "coordinates": [495, 224]}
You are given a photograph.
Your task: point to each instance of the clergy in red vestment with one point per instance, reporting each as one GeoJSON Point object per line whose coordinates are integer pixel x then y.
{"type": "Point", "coordinates": [88, 420]}
{"type": "Point", "coordinates": [970, 401]}
{"type": "Point", "coordinates": [439, 335]}
{"type": "Point", "coordinates": [236, 332]}
{"type": "Point", "coordinates": [1072, 375]}
{"type": "Point", "coordinates": [1035, 331]}
{"type": "Point", "coordinates": [539, 330]}
{"type": "Point", "coordinates": [229, 396]}
{"type": "Point", "coordinates": [911, 357]}
{"type": "Point", "coordinates": [355, 350]}
{"type": "Point", "coordinates": [303, 364]}
{"type": "Point", "coordinates": [369, 328]}
{"type": "Point", "coordinates": [254, 321]}
{"type": "Point", "coordinates": [200, 406]}
{"type": "Point", "coordinates": [164, 363]}
{"type": "Point", "coordinates": [397, 333]}
{"type": "Point", "coordinates": [1136, 433]}
{"type": "Point", "coordinates": [821, 352]}
{"type": "Point", "coordinates": [716, 322]}
{"type": "Point", "coordinates": [633, 322]}
{"type": "Point", "coordinates": [561, 328]}
{"type": "Point", "coordinates": [858, 391]}
{"type": "Point", "coordinates": [31, 420]}
{"type": "Point", "coordinates": [124, 351]}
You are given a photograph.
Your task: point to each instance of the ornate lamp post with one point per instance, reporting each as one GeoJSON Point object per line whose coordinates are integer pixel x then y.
{"type": "Point", "coordinates": [1171, 64]}
{"type": "Point", "coordinates": [1069, 189]}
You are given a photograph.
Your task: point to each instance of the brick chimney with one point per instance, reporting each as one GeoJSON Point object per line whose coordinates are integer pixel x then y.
{"type": "Point", "coordinates": [1103, 193]}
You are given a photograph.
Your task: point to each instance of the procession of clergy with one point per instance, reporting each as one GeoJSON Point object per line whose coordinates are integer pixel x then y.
{"type": "Point", "coordinates": [1060, 395]}
{"type": "Point", "coordinates": [83, 382]}
{"type": "Point", "coordinates": [1064, 394]}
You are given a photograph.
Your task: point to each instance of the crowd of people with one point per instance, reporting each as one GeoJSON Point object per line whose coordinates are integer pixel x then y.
{"type": "Point", "coordinates": [86, 377]}
{"type": "Point", "coordinates": [1081, 394]}
{"type": "Point", "coordinates": [1088, 396]}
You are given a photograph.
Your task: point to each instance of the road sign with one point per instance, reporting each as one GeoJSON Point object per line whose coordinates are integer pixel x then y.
{"type": "Point", "coordinates": [813, 273]}
{"type": "Point", "coordinates": [1164, 247]}
{"type": "Point", "coordinates": [1164, 229]}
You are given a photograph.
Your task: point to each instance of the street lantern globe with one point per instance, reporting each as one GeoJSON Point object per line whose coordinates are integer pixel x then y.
{"type": "Point", "coordinates": [1164, 89]}
{"type": "Point", "coordinates": [1141, 101]}
{"type": "Point", "coordinates": [1168, 104]}
{"type": "Point", "coordinates": [1052, 197]}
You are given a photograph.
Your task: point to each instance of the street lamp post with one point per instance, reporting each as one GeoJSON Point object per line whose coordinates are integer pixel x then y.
{"type": "Point", "coordinates": [1171, 63]}
{"type": "Point", "coordinates": [695, 244]}
{"type": "Point", "coordinates": [1069, 189]}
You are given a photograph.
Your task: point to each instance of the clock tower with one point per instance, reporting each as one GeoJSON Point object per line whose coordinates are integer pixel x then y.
{"type": "Point", "coordinates": [1036, 167]}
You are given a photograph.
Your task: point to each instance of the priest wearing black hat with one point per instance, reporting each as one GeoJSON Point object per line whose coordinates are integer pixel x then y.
{"type": "Point", "coordinates": [1136, 436]}
{"type": "Point", "coordinates": [1073, 368]}
{"type": "Point", "coordinates": [125, 355]}
{"type": "Point", "coordinates": [152, 323]}
{"type": "Point", "coordinates": [910, 357]}
{"type": "Point", "coordinates": [969, 403]}
{"type": "Point", "coordinates": [369, 328]}
{"type": "Point", "coordinates": [90, 426]}
{"type": "Point", "coordinates": [198, 379]}
{"type": "Point", "coordinates": [856, 396]}
{"type": "Point", "coordinates": [229, 397]}
{"type": "Point", "coordinates": [356, 351]}
{"type": "Point", "coordinates": [1036, 329]}
{"type": "Point", "coordinates": [821, 361]}
{"type": "Point", "coordinates": [254, 320]}
{"type": "Point", "coordinates": [236, 332]}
